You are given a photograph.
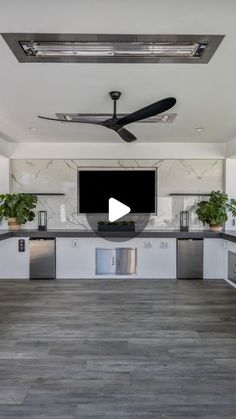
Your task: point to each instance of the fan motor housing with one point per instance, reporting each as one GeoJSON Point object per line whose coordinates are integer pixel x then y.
{"type": "Point", "coordinates": [115, 95]}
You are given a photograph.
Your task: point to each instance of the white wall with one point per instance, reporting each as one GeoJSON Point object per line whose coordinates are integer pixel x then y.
{"type": "Point", "coordinates": [4, 182]}
{"type": "Point", "coordinates": [4, 175]}
{"type": "Point", "coordinates": [230, 150]}
{"type": "Point", "coordinates": [118, 151]}
{"type": "Point", "coordinates": [230, 188]}
{"type": "Point", "coordinates": [5, 148]}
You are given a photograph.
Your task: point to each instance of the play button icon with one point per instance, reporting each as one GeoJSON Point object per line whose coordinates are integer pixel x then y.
{"type": "Point", "coordinates": [102, 223]}
{"type": "Point", "coordinates": [117, 210]}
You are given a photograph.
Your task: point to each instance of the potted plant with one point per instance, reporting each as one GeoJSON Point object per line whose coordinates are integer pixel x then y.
{"type": "Point", "coordinates": [116, 226]}
{"type": "Point", "coordinates": [215, 211]}
{"type": "Point", "coordinates": [17, 208]}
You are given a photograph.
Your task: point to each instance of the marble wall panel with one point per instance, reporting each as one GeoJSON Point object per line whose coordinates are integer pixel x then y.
{"type": "Point", "coordinates": [174, 176]}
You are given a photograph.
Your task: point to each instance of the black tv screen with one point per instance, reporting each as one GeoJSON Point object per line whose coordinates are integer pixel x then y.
{"type": "Point", "coordinates": [135, 188]}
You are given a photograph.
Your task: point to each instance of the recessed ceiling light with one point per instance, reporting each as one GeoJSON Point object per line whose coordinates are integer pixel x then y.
{"type": "Point", "coordinates": [33, 129]}
{"type": "Point", "coordinates": [199, 129]}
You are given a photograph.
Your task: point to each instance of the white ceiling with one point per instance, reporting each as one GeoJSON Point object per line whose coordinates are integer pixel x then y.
{"type": "Point", "coordinates": [206, 94]}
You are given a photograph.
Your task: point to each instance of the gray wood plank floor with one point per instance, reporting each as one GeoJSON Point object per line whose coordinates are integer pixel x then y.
{"type": "Point", "coordinates": [117, 349]}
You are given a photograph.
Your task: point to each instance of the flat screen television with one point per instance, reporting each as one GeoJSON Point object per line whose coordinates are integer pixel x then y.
{"type": "Point", "coordinates": [135, 188]}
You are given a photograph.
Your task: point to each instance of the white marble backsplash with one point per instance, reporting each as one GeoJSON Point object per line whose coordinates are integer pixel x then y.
{"type": "Point", "coordinates": [174, 176]}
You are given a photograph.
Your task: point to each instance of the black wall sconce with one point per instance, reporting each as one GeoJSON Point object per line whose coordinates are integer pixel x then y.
{"type": "Point", "coordinates": [184, 221]}
{"type": "Point", "coordinates": [42, 220]}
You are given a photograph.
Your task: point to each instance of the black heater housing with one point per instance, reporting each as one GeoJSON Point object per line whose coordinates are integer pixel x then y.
{"type": "Point", "coordinates": [184, 221]}
{"type": "Point", "coordinates": [42, 220]}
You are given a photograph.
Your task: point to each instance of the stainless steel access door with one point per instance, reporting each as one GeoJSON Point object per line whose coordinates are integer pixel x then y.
{"type": "Point", "coordinates": [190, 259]}
{"type": "Point", "coordinates": [125, 261]}
{"type": "Point", "coordinates": [42, 258]}
{"type": "Point", "coordinates": [105, 261]}
{"type": "Point", "coordinates": [119, 261]}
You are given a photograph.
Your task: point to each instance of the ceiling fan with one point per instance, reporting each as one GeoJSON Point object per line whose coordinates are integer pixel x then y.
{"type": "Point", "coordinates": [118, 124]}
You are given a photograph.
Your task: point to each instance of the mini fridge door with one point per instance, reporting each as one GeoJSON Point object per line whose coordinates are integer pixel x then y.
{"type": "Point", "coordinates": [105, 261]}
{"type": "Point", "coordinates": [190, 259]}
{"type": "Point", "coordinates": [42, 258]}
{"type": "Point", "coordinates": [125, 261]}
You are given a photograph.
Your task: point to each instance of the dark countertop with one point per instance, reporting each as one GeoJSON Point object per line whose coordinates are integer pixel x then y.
{"type": "Point", "coordinates": [229, 235]}
{"type": "Point", "coordinates": [195, 234]}
{"type": "Point", "coordinates": [5, 234]}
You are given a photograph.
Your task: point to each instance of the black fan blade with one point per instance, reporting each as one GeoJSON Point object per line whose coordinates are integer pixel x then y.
{"type": "Point", "coordinates": [126, 135]}
{"type": "Point", "coordinates": [81, 121]}
{"type": "Point", "coordinates": [150, 110]}
{"type": "Point", "coordinates": [122, 132]}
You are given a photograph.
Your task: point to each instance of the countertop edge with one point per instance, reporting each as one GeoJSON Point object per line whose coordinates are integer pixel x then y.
{"type": "Point", "coordinates": [197, 234]}
{"type": "Point", "coordinates": [144, 234]}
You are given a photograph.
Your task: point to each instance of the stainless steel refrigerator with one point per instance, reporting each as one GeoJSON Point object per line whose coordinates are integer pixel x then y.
{"type": "Point", "coordinates": [42, 258]}
{"type": "Point", "coordinates": [190, 259]}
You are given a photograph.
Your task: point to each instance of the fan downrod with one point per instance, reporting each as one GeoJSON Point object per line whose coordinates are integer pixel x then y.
{"type": "Point", "coordinates": [115, 95]}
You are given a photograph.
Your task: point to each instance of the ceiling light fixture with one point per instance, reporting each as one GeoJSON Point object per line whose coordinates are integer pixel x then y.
{"type": "Point", "coordinates": [199, 129]}
{"type": "Point", "coordinates": [112, 48]}
{"type": "Point", "coordinates": [33, 129]}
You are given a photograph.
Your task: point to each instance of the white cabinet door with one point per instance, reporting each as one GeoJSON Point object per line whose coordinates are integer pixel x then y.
{"type": "Point", "coordinates": [14, 264]}
{"type": "Point", "coordinates": [214, 261]}
{"type": "Point", "coordinates": [156, 258]}
{"type": "Point", "coordinates": [75, 261]}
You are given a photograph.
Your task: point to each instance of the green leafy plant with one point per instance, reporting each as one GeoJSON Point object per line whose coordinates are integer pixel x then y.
{"type": "Point", "coordinates": [215, 210]}
{"type": "Point", "coordinates": [19, 206]}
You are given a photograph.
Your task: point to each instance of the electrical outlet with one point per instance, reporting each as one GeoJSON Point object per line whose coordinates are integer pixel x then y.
{"type": "Point", "coordinates": [147, 244]}
{"type": "Point", "coordinates": [75, 243]}
{"type": "Point", "coordinates": [21, 245]}
{"type": "Point", "coordinates": [225, 244]}
{"type": "Point", "coordinates": [163, 244]}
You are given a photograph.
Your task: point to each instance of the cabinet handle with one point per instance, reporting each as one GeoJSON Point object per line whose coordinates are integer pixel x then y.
{"type": "Point", "coordinates": [113, 261]}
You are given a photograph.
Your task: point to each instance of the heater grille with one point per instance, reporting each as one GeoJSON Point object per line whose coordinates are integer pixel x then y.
{"type": "Point", "coordinates": [112, 49]}
{"type": "Point", "coordinates": [167, 118]}
{"type": "Point", "coordinates": [120, 48]}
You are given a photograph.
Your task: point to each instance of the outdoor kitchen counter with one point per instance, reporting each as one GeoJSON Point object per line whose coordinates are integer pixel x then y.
{"type": "Point", "coordinates": [193, 234]}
